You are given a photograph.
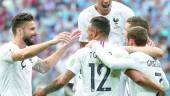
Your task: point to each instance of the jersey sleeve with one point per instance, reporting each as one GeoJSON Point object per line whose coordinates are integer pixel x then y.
{"type": "Point", "coordinates": [83, 26]}
{"type": "Point", "coordinates": [111, 61]}
{"type": "Point", "coordinates": [73, 64]}
{"type": "Point", "coordinates": [35, 59]}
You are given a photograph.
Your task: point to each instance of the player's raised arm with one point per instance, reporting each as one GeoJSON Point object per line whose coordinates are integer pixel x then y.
{"type": "Point", "coordinates": [44, 65]}
{"type": "Point", "coordinates": [30, 51]}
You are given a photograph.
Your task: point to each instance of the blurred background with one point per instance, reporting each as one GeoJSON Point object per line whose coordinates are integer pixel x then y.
{"type": "Point", "coordinates": [55, 16]}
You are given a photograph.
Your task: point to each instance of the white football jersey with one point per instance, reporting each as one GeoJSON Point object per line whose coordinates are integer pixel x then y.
{"type": "Point", "coordinates": [15, 76]}
{"type": "Point", "coordinates": [120, 60]}
{"type": "Point", "coordinates": [152, 68]}
{"type": "Point", "coordinates": [117, 17]}
{"type": "Point", "coordinates": [97, 79]}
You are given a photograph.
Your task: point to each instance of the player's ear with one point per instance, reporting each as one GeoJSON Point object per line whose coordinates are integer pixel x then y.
{"type": "Point", "coordinates": [19, 31]}
{"type": "Point", "coordinates": [94, 34]}
{"type": "Point", "coordinates": [131, 42]}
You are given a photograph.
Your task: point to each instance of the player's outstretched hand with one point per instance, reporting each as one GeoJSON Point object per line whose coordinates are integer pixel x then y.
{"type": "Point", "coordinates": [39, 92]}
{"type": "Point", "coordinates": [73, 38]}
{"type": "Point", "coordinates": [75, 34]}
{"type": "Point", "coordinates": [91, 43]}
{"type": "Point", "coordinates": [62, 37]}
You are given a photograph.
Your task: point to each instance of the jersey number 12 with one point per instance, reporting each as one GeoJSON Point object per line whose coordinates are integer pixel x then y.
{"type": "Point", "coordinates": [100, 87]}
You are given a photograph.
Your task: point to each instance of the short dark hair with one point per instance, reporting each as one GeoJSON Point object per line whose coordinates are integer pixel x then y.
{"type": "Point", "coordinates": [139, 34]}
{"type": "Point", "coordinates": [20, 19]}
{"type": "Point", "coordinates": [102, 24]}
{"type": "Point", "coordinates": [139, 21]}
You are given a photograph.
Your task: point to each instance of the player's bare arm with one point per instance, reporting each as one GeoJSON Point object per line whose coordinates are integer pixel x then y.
{"type": "Point", "coordinates": [44, 65]}
{"type": "Point", "coordinates": [144, 81]}
{"type": "Point", "coordinates": [61, 81]}
{"type": "Point", "coordinates": [33, 50]}
{"type": "Point", "coordinates": [152, 51]}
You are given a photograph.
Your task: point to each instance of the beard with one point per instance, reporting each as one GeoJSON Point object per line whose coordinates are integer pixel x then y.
{"type": "Point", "coordinates": [105, 5]}
{"type": "Point", "coordinates": [28, 41]}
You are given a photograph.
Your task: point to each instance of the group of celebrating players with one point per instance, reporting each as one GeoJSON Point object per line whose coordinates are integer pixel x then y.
{"type": "Point", "coordinates": [116, 55]}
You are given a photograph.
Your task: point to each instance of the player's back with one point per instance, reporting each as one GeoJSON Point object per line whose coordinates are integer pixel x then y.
{"type": "Point", "coordinates": [150, 67]}
{"type": "Point", "coordinates": [97, 79]}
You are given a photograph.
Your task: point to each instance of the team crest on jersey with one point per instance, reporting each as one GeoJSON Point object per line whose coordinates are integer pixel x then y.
{"type": "Point", "coordinates": [116, 22]}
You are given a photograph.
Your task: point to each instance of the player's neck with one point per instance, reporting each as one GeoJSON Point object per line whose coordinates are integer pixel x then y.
{"type": "Point", "coordinates": [101, 38]}
{"type": "Point", "coordinates": [20, 43]}
{"type": "Point", "coordinates": [102, 11]}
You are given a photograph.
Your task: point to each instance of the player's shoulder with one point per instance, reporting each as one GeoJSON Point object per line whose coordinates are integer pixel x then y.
{"type": "Point", "coordinates": [139, 55]}
{"type": "Point", "coordinates": [82, 51]}
{"type": "Point", "coordinates": [4, 45]}
{"type": "Point", "coordinates": [121, 7]}
{"type": "Point", "coordinates": [116, 50]}
{"type": "Point", "coordinates": [114, 47]}
{"type": "Point", "coordinates": [7, 46]}
{"type": "Point", "coordinates": [87, 12]}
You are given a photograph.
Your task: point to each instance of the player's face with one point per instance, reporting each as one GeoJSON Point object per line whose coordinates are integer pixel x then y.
{"type": "Point", "coordinates": [29, 32]}
{"type": "Point", "coordinates": [104, 5]}
{"type": "Point", "coordinates": [127, 26]}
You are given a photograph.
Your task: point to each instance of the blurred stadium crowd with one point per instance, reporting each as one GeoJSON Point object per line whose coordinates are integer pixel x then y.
{"type": "Point", "coordinates": [54, 16]}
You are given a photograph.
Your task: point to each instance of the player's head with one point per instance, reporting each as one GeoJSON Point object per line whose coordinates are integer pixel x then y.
{"type": "Point", "coordinates": [103, 5]}
{"type": "Point", "coordinates": [99, 27]}
{"type": "Point", "coordinates": [137, 36]}
{"type": "Point", "coordinates": [23, 26]}
{"type": "Point", "coordinates": [137, 21]}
